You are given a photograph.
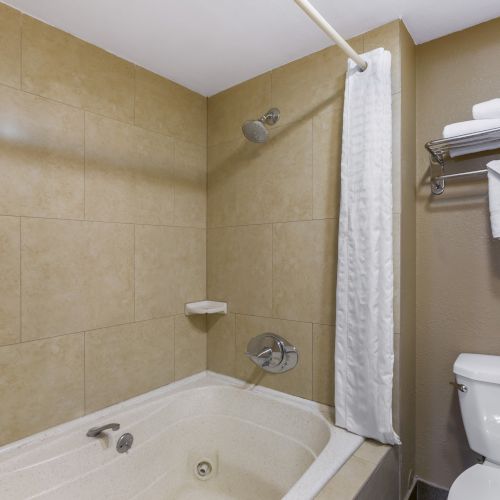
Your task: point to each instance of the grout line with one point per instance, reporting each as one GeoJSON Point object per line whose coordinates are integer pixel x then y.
{"type": "Point", "coordinates": [270, 223]}
{"type": "Point", "coordinates": [312, 167]}
{"type": "Point", "coordinates": [21, 30]}
{"type": "Point", "coordinates": [234, 340]}
{"type": "Point", "coordinates": [271, 85]}
{"type": "Point", "coordinates": [175, 338]}
{"type": "Point", "coordinates": [84, 163]}
{"type": "Point", "coordinates": [135, 94]}
{"type": "Point", "coordinates": [272, 267]}
{"type": "Point", "coordinates": [312, 361]}
{"type": "Point", "coordinates": [66, 219]}
{"type": "Point", "coordinates": [41, 339]}
{"type": "Point", "coordinates": [174, 184]}
{"type": "Point", "coordinates": [134, 265]}
{"type": "Point", "coordinates": [20, 332]}
{"type": "Point", "coordinates": [91, 330]}
{"type": "Point", "coordinates": [281, 319]}
{"type": "Point", "coordinates": [206, 213]}
{"type": "Point", "coordinates": [85, 110]}
{"type": "Point", "coordinates": [84, 377]}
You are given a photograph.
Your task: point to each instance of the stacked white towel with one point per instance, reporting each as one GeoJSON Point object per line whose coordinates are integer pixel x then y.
{"type": "Point", "coordinates": [469, 127]}
{"type": "Point", "coordinates": [486, 110]}
{"type": "Point", "coordinates": [486, 116]}
{"type": "Point", "coordinates": [494, 196]}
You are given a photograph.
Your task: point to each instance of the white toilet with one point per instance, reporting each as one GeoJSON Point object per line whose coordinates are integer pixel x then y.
{"type": "Point", "coordinates": [478, 383]}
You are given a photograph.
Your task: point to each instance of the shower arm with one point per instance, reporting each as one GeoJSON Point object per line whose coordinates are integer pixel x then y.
{"type": "Point", "coordinates": [327, 28]}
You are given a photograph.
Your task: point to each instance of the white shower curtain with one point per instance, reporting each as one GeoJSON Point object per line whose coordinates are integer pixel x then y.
{"type": "Point", "coordinates": [364, 353]}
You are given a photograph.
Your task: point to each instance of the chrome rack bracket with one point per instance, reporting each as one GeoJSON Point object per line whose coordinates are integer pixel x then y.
{"type": "Point", "coordinates": [437, 182]}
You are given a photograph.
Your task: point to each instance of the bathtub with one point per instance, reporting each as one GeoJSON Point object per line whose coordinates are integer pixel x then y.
{"type": "Point", "coordinates": [204, 437]}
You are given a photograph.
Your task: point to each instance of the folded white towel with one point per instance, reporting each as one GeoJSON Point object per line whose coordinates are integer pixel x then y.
{"type": "Point", "coordinates": [487, 109]}
{"type": "Point", "coordinates": [494, 196]}
{"type": "Point", "coordinates": [469, 127]}
{"type": "Point", "coordinates": [467, 150]}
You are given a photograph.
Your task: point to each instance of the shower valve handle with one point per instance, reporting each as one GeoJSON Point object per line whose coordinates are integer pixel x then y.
{"type": "Point", "coordinates": [272, 353]}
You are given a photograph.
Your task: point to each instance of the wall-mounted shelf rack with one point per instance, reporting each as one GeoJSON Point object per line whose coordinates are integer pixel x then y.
{"type": "Point", "coordinates": [205, 307]}
{"type": "Point", "coordinates": [441, 149]}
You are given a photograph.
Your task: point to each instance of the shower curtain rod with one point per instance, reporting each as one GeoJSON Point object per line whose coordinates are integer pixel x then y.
{"type": "Point", "coordinates": [326, 27]}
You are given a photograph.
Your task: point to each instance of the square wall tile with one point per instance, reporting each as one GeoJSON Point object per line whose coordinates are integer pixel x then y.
{"type": "Point", "coordinates": [170, 269]}
{"type": "Point", "coordinates": [169, 108]}
{"type": "Point", "coordinates": [228, 110]}
{"type": "Point", "coordinates": [323, 363]}
{"type": "Point", "coordinates": [190, 185]}
{"type": "Point", "coordinates": [41, 385]}
{"type": "Point", "coordinates": [297, 381]}
{"type": "Point", "coordinates": [190, 345]}
{"type": "Point", "coordinates": [131, 359]}
{"type": "Point", "coordinates": [10, 286]}
{"type": "Point", "coordinates": [396, 153]}
{"type": "Point", "coordinates": [225, 165]}
{"type": "Point", "coordinates": [252, 183]}
{"type": "Point", "coordinates": [10, 46]}
{"type": "Point", "coordinates": [304, 87]}
{"type": "Point", "coordinates": [41, 157]}
{"type": "Point", "coordinates": [275, 183]}
{"type": "Point", "coordinates": [387, 36]}
{"type": "Point", "coordinates": [305, 271]}
{"type": "Point", "coordinates": [129, 173]}
{"type": "Point", "coordinates": [76, 276]}
{"type": "Point", "coordinates": [239, 265]}
{"type": "Point", "coordinates": [327, 153]}
{"type": "Point", "coordinates": [221, 348]}
{"type": "Point", "coordinates": [64, 68]}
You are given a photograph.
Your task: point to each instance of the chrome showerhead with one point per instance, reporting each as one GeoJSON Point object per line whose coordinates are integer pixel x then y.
{"type": "Point", "coordinates": [256, 131]}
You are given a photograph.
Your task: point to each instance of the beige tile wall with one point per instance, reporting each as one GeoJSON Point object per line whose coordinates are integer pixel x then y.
{"type": "Point", "coordinates": [273, 213]}
{"type": "Point", "coordinates": [273, 209]}
{"type": "Point", "coordinates": [102, 228]}
{"type": "Point", "coordinates": [103, 211]}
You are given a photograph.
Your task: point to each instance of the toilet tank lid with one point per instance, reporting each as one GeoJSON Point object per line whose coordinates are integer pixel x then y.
{"type": "Point", "coordinates": [482, 367]}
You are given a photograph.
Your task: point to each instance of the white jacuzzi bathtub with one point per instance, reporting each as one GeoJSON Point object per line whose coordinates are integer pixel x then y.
{"type": "Point", "coordinates": [260, 443]}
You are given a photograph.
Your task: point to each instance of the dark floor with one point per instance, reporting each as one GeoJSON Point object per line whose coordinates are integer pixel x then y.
{"type": "Point", "coordinates": [424, 491]}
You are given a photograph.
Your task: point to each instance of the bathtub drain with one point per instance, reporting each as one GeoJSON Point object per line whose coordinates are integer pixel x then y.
{"type": "Point", "coordinates": [203, 470]}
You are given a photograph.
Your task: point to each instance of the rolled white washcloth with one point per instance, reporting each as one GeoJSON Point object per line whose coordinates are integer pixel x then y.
{"type": "Point", "coordinates": [469, 127]}
{"type": "Point", "coordinates": [494, 196]}
{"type": "Point", "coordinates": [487, 109]}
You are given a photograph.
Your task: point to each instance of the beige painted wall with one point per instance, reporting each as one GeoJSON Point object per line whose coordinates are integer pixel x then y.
{"type": "Point", "coordinates": [102, 228]}
{"type": "Point", "coordinates": [272, 221]}
{"type": "Point", "coordinates": [458, 285]}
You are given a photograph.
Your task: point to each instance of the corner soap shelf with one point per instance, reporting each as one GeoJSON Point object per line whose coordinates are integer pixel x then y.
{"type": "Point", "coordinates": [439, 151]}
{"type": "Point", "coordinates": [205, 307]}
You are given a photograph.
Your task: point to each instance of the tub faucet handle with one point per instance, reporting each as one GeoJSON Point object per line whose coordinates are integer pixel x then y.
{"type": "Point", "coordinates": [96, 431]}
{"type": "Point", "coordinates": [265, 353]}
{"type": "Point", "coordinates": [272, 353]}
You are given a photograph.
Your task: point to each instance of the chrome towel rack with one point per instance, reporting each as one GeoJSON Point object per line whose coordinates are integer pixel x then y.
{"type": "Point", "coordinates": [439, 151]}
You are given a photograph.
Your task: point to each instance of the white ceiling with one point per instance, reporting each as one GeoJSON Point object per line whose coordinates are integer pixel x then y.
{"type": "Point", "coordinates": [210, 45]}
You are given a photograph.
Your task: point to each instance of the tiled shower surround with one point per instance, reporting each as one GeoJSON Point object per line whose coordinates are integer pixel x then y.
{"type": "Point", "coordinates": [273, 214]}
{"type": "Point", "coordinates": [110, 177]}
{"type": "Point", "coordinates": [102, 228]}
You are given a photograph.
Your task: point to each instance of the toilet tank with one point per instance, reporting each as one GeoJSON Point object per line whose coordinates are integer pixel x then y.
{"type": "Point", "coordinates": [480, 403]}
